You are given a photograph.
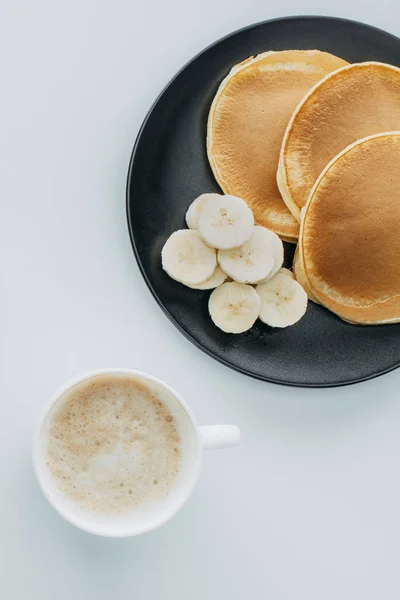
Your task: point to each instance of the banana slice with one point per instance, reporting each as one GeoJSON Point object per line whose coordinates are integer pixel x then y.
{"type": "Point", "coordinates": [277, 247]}
{"type": "Point", "coordinates": [216, 279]}
{"type": "Point", "coordinates": [187, 258]}
{"type": "Point", "coordinates": [281, 270]}
{"type": "Point", "coordinates": [226, 222]}
{"type": "Point", "coordinates": [234, 307]}
{"type": "Point", "coordinates": [283, 301]}
{"type": "Point", "coordinates": [278, 253]}
{"type": "Point", "coordinates": [194, 210]}
{"type": "Point", "coordinates": [254, 260]}
{"type": "Point", "coordinates": [287, 272]}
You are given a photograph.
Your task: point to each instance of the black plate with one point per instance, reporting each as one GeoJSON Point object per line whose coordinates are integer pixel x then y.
{"type": "Point", "coordinates": [169, 168]}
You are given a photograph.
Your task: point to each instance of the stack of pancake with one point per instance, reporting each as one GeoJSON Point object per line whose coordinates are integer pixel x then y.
{"type": "Point", "coordinates": [312, 144]}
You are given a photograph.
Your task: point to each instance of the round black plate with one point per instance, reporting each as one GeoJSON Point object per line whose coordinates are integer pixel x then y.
{"type": "Point", "coordinates": [169, 168]}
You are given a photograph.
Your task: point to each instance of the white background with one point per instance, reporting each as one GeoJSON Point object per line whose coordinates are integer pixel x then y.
{"type": "Point", "coordinates": [307, 508]}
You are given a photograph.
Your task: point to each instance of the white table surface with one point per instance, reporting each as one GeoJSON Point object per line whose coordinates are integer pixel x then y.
{"type": "Point", "coordinates": [308, 506]}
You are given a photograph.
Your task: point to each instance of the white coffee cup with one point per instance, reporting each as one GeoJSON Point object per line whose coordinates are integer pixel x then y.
{"type": "Point", "coordinates": [196, 439]}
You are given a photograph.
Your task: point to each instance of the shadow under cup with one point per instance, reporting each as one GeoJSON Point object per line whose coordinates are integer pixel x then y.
{"type": "Point", "coordinates": [148, 517]}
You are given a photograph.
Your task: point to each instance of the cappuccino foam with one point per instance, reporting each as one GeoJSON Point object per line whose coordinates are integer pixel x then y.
{"type": "Point", "coordinates": [113, 446]}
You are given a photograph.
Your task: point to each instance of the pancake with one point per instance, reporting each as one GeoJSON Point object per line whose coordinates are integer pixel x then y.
{"type": "Point", "coordinates": [300, 276]}
{"type": "Point", "coordinates": [353, 268]}
{"type": "Point", "coordinates": [246, 124]}
{"type": "Point", "coordinates": [352, 103]}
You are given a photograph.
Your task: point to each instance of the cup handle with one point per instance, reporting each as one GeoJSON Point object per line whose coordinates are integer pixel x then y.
{"type": "Point", "coordinates": [219, 436]}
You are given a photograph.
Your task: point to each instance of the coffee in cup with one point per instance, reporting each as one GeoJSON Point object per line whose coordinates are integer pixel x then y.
{"type": "Point", "coordinates": [118, 452]}
{"type": "Point", "coordinates": [113, 446]}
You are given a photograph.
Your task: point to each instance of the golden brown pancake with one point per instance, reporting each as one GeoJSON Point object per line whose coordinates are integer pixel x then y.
{"type": "Point", "coordinates": [352, 103]}
{"type": "Point", "coordinates": [350, 241]}
{"type": "Point", "coordinates": [299, 274]}
{"type": "Point", "coordinates": [247, 120]}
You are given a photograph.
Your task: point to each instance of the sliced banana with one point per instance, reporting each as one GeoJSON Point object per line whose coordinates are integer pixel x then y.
{"type": "Point", "coordinates": [254, 260]}
{"type": "Point", "coordinates": [216, 279]}
{"type": "Point", "coordinates": [283, 301]}
{"type": "Point", "coordinates": [278, 253]}
{"type": "Point", "coordinates": [281, 270]}
{"type": "Point", "coordinates": [287, 272]}
{"type": "Point", "coordinates": [226, 222]}
{"type": "Point", "coordinates": [187, 258]}
{"type": "Point", "coordinates": [194, 210]}
{"type": "Point", "coordinates": [277, 247]}
{"type": "Point", "coordinates": [234, 307]}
